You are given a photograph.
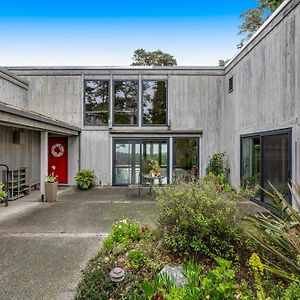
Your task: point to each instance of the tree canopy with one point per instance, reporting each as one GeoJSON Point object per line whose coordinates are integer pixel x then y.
{"type": "Point", "coordinates": [141, 57]}
{"type": "Point", "coordinates": [254, 18]}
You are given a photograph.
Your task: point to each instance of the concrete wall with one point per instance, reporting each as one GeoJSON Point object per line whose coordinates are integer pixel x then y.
{"type": "Point", "coordinates": [25, 154]}
{"type": "Point", "coordinates": [195, 103]}
{"type": "Point", "coordinates": [58, 97]}
{"type": "Point", "coordinates": [96, 154]}
{"type": "Point", "coordinates": [266, 93]}
{"type": "Point", "coordinates": [13, 92]}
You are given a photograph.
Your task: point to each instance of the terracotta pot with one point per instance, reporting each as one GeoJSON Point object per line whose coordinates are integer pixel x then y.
{"type": "Point", "coordinates": [51, 191]}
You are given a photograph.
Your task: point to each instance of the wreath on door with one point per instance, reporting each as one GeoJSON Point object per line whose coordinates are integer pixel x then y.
{"type": "Point", "coordinates": [57, 150]}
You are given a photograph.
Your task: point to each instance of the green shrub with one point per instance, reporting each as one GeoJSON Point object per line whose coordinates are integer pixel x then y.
{"type": "Point", "coordinates": [216, 164]}
{"type": "Point", "coordinates": [85, 179]}
{"type": "Point", "coordinates": [122, 232]}
{"type": "Point", "coordinates": [292, 292]}
{"type": "Point", "coordinates": [217, 284]}
{"type": "Point", "coordinates": [137, 259]}
{"type": "Point", "coordinates": [200, 218]}
{"type": "Point", "coordinates": [2, 193]}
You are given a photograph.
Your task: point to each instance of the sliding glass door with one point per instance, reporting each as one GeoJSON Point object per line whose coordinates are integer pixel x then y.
{"type": "Point", "coordinates": [265, 158]}
{"type": "Point", "coordinates": [127, 164]}
{"type": "Point", "coordinates": [132, 156]}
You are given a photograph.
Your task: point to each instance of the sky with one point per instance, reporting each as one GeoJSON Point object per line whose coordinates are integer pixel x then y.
{"type": "Point", "coordinates": [106, 33]}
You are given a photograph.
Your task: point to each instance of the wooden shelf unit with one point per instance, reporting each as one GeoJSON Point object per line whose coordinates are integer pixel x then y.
{"type": "Point", "coordinates": [18, 183]}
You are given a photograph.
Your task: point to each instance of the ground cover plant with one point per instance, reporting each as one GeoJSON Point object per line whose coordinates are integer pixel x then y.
{"type": "Point", "coordinates": [200, 228]}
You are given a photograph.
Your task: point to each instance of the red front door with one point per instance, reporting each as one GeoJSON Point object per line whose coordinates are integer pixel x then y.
{"type": "Point", "coordinates": [58, 157]}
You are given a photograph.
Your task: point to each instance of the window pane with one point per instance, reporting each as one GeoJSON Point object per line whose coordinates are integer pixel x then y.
{"type": "Point", "coordinates": [185, 158]}
{"type": "Point", "coordinates": [126, 102]}
{"type": "Point", "coordinates": [154, 102]}
{"type": "Point", "coordinates": [155, 151]}
{"type": "Point", "coordinates": [96, 101]}
{"type": "Point", "coordinates": [275, 166]}
{"type": "Point", "coordinates": [127, 164]}
{"type": "Point", "coordinates": [250, 172]}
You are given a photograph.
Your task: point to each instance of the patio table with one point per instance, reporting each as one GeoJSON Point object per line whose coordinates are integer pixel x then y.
{"type": "Point", "coordinates": [152, 179]}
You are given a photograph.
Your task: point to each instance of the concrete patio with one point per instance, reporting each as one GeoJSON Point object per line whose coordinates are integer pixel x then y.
{"type": "Point", "coordinates": [44, 246]}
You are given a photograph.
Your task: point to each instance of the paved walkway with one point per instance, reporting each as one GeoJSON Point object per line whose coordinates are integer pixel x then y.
{"type": "Point", "coordinates": [44, 246]}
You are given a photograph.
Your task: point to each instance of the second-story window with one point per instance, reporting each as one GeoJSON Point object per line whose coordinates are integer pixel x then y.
{"type": "Point", "coordinates": [154, 102]}
{"type": "Point", "coordinates": [126, 102]}
{"type": "Point", "coordinates": [96, 101]}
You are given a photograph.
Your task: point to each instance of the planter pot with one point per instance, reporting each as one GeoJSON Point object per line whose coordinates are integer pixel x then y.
{"type": "Point", "coordinates": [51, 191]}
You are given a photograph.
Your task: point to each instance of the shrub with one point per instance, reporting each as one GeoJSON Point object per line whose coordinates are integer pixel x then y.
{"type": "Point", "coordinates": [85, 179]}
{"type": "Point", "coordinates": [216, 164]}
{"type": "Point", "coordinates": [2, 193]}
{"type": "Point", "coordinates": [122, 232]}
{"type": "Point", "coordinates": [217, 284]}
{"type": "Point", "coordinates": [137, 259]}
{"type": "Point", "coordinates": [200, 218]}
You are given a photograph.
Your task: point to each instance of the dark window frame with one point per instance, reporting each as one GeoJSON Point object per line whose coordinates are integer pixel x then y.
{"type": "Point", "coordinates": [141, 140]}
{"type": "Point", "coordinates": [142, 104]}
{"type": "Point", "coordinates": [262, 134]}
{"type": "Point", "coordinates": [230, 84]}
{"type": "Point", "coordinates": [84, 103]}
{"type": "Point", "coordinates": [198, 147]}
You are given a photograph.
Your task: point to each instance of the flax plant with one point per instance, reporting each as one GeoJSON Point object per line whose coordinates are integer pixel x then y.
{"type": "Point", "coordinates": [279, 234]}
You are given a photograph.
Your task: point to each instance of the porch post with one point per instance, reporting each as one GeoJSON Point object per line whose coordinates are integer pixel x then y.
{"type": "Point", "coordinates": [44, 162]}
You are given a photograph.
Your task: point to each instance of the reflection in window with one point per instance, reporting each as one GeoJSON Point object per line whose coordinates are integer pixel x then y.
{"type": "Point", "coordinates": [96, 100]}
{"type": "Point", "coordinates": [155, 151]}
{"type": "Point", "coordinates": [154, 102]}
{"type": "Point", "coordinates": [126, 102]}
{"type": "Point", "coordinates": [186, 158]}
{"type": "Point", "coordinates": [250, 172]}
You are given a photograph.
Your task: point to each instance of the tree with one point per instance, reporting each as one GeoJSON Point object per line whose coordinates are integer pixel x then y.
{"type": "Point", "coordinates": [141, 57]}
{"type": "Point", "coordinates": [223, 62]}
{"type": "Point", "coordinates": [254, 18]}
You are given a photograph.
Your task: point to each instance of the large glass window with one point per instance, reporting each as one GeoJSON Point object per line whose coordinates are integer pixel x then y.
{"type": "Point", "coordinates": [185, 158]}
{"type": "Point", "coordinates": [157, 151]}
{"type": "Point", "coordinates": [154, 102]}
{"type": "Point", "coordinates": [133, 158]}
{"type": "Point", "coordinates": [127, 162]}
{"type": "Point", "coordinates": [96, 100]}
{"type": "Point", "coordinates": [250, 167]}
{"type": "Point", "coordinates": [266, 158]}
{"type": "Point", "coordinates": [126, 102]}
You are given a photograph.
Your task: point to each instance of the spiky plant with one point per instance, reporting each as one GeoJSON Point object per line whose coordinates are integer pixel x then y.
{"type": "Point", "coordinates": [280, 235]}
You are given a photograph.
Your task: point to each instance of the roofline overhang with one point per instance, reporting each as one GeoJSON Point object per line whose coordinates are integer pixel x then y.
{"type": "Point", "coordinates": [38, 121]}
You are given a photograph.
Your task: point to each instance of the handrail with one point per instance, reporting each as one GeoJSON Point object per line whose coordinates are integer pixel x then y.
{"type": "Point", "coordinates": [7, 186]}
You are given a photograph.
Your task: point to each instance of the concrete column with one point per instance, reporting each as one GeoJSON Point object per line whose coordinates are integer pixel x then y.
{"type": "Point", "coordinates": [44, 161]}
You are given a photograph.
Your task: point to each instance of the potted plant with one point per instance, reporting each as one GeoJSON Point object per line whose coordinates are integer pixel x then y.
{"type": "Point", "coordinates": [85, 179]}
{"type": "Point", "coordinates": [51, 185]}
{"type": "Point", "coordinates": [2, 193]}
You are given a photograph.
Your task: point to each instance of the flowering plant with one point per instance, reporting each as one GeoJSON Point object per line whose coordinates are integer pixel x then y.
{"type": "Point", "coordinates": [51, 178]}
{"type": "Point", "coordinates": [2, 193]}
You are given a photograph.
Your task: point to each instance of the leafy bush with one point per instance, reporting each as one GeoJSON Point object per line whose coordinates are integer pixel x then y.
{"type": "Point", "coordinates": [2, 193]}
{"type": "Point", "coordinates": [217, 284]}
{"type": "Point", "coordinates": [137, 259]}
{"type": "Point", "coordinates": [200, 218]}
{"type": "Point", "coordinates": [292, 292]}
{"type": "Point", "coordinates": [216, 164]}
{"type": "Point", "coordinates": [122, 232]}
{"type": "Point", "coordinates": [85, 179]}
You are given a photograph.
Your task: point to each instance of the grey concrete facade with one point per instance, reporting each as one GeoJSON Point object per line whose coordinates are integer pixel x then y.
{"type": "Point", "coordinates": [265, 97]}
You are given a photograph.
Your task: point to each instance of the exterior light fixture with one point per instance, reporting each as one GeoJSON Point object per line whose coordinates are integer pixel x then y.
{"type": "Point", "coordinates": [117, 274]}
